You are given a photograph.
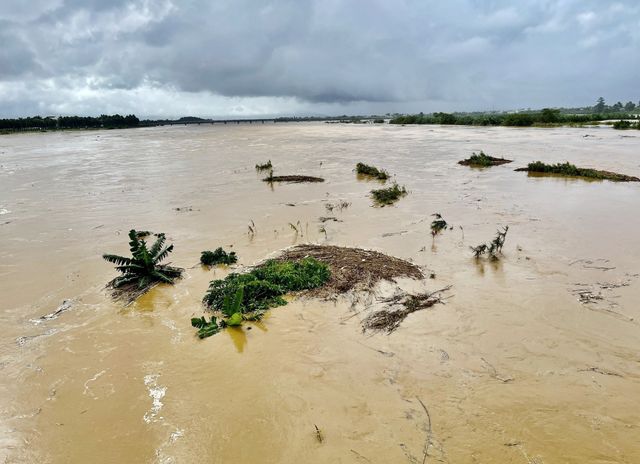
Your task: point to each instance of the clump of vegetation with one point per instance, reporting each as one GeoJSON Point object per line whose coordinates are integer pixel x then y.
{"type": "Point", "coordinates": [142, 270]}
{"type": "Point", "coordinates": [483, 160]}
{"type": "Point", "coordinates": [319, 270]}
{"type": "Point", "coordinates": [622, 124]}
{"type": "Point", "coordinates": [493, 248]}
{"type": "Point", "coordinates": [264, 167]}
{"type": "Point", "coordinates": [219, 256]}
{"type": "Point", "coordinates": [292, 179]}
{"type": "Point", "coordinates": [205, 329]}
{"type": "Point", "coordinates": [389, 195]}
{"type": "Point", "coordinates": [241, 297]}
{"type": "Point", "coordinates": [438, 224]}
{"type": "Point", "coordinates": [568, 169]}
{"type": "Point", "coordinates": [371, 171]}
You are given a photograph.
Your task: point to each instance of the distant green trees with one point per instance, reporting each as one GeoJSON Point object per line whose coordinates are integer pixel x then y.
{"type": "Point", "coordinates": [104, 121]}
{"type": "Point", "coordinates": [602, 107]}
{"type": "Point", "coordinates": [522, 119]}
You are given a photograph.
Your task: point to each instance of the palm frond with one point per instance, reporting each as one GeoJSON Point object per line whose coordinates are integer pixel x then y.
{"type": "Point", "coordinates": [134, 241]}
{"type": "Point", "coordinates": [157, 246]}
{"type": "Point", "coordinates": [160, 276]}
{"type": "Point", "coordinates": [130, 268]}
{"type": "Point", "coordinates": [115, 259]}
{"type": "Point", "coordinates": [160, 256]}
{"type": "Point", "coordinates": [123, 280]}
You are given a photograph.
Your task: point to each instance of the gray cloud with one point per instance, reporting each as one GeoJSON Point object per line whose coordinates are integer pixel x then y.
{"type": "Point", "coordinates": [238, 56]}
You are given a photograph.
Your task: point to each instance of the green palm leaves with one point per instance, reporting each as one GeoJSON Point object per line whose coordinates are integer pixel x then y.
{"type": "Point", "coordinates": [143, 268]}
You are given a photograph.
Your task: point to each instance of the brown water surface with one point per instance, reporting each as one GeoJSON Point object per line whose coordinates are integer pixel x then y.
{"type": "Point", "coordinates": [513, 368]}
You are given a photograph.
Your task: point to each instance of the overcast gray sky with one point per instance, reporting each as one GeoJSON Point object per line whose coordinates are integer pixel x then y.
{"type": "Point", "coordinates": [168, 58]}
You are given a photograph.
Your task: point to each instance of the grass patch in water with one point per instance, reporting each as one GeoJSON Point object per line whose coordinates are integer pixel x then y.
{"type": "Point", "coordinates": [371, 171]}
{"type": "Point", "coordinates": [570, 170]}
{"type": "Point", "coordinates": [265, 285]}
{"type": "Point", "coordinates": [389, 195]}
{"type": "Point", "coordinates": [483, 160]}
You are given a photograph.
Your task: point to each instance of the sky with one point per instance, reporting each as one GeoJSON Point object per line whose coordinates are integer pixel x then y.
{"type": "Point", "coordinates": [244, 58]}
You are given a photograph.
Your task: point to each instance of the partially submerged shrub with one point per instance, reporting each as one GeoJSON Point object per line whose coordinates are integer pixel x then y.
{"type": "Point", "coordinates": [371, 171]}
{"type": "Point", "coordinates": [143, 268]}
{"type": "Point", "coordinates": [622, 124]}
{"type": "Point", "coordinates": [246, 296]}
{"type": "Point", "coordinates": [264, 167]}
{"type": "Point", "coordinates": [219, 256]}
{"type": "Point", "coordinates": [483, 160]}
{"type": "Point", "coordinates": [494, 247]}
{"type": "Point", "coordinates": [568, 169]}
{"type": "Point", "coordinates": [438, 224]}
{"type": "Point", "coordinates": [389, 195]}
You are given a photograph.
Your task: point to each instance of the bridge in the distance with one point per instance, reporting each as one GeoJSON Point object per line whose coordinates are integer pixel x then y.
{"type": "Point", "coordinates": [216, 121]}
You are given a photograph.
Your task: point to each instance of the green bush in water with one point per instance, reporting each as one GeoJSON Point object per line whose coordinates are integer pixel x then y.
{"type": "Point", "coordinates": [389, 195]}
{"type": "Point", "coordinates": [371, 171]}
{"type": "Point", "coordinates": [566, 169]}
{"type": "Point", "coordinates": [264, 286]}
{"type": "Point", "coordinates": [622, 124]}
{"type": "Point", "coordinates": [211, 258]}
{"type": "Point", "coordinates": [481, 159]}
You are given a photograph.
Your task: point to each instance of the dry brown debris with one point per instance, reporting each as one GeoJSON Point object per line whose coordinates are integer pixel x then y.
{"type": "Point", "coordinates": [389, 319]}
{"type": "Point", "coordinates": [352, 268]}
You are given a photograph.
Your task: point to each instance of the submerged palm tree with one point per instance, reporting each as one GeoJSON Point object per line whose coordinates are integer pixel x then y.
{"type": "Point", "coordinates": [143, 269]}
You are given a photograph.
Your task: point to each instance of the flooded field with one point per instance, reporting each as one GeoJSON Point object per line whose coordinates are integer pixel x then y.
{"type": "Point", "coordinates": [534, 358]}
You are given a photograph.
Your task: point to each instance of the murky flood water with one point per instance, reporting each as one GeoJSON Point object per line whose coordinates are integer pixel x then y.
{"type": "Point", "coordinates": [513, 368]}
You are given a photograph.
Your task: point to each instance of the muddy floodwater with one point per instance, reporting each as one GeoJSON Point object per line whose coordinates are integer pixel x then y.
{"type": "Point", "coordinates": [532, 359]}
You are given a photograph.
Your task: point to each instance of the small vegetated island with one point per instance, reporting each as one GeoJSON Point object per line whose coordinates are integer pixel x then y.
{"type": "Point", "coordinates": [293, 179]}
{"type": "Point", "coordinates": [371, 172]}
{"type": "Point", "coordinates": [569, 170]}
{"type": "Point", "coordinates": [482, 160]}
{"type": "Point", "coordinates": [321, 271]}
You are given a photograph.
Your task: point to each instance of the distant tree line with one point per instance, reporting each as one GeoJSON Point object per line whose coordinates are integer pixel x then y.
{"type": "Point", "coordinates": [599, 112]}
{"type": "Point", "coordinates": [523, 119]}
{"type": "Point", "coordinates": [602, 107]}
{"type": "Point", "coordinates": [104, 121]}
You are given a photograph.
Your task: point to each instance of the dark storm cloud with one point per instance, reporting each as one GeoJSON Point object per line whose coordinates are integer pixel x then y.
{"type": "Point", "coordinates": [459, 54]}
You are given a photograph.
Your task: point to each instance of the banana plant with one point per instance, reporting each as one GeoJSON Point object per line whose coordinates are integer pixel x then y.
{"type": "Point", "coordinates": [143, 268]}
{"type": "Point", "coordinates": [205, 329]}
